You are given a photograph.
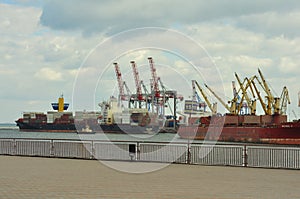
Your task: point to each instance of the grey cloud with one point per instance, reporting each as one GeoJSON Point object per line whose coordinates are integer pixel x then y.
{"type": "Point", "coordinates": [113, 16]}
{"type": "Point", "coordinates": [272, 23]}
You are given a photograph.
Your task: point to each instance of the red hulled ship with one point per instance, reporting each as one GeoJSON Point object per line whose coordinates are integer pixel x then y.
{"type": "Point", "coordinates": [242, 124]}
{"type": "Point", "coordinates": [273, 129]}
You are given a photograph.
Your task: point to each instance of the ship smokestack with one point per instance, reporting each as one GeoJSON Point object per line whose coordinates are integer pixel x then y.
{"type": "Point", "coordinates": [61, 104]}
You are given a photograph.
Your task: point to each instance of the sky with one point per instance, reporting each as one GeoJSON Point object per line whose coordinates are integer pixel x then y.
{"type": "Point", "coordinates": [52, 47]}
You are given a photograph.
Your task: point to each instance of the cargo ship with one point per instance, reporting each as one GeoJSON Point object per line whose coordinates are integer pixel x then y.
{"type": "Point", "coordinates": [270, 129]}
{"type": "Point", "coordinates": [53, 121]}
{"type": "Point", "coordinates": [115, 119]}
{"type": "Point", "coordinates": [110, 120]}
{"type": "Point", "coordinates": [242, 124]}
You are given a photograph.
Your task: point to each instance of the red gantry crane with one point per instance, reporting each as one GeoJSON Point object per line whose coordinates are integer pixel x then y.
{"type": "Point", "coordinates": [137, 82]}
{"type": "Point", "coordinates": [120, 82]}
{"type": "Point", "coordinates": [121, 85]}
{"type": "Point", "coordinates": [154, 78]}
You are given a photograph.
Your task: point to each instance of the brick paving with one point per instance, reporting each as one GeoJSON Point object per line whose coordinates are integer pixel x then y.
{"type": "Point", "coordinates": [33, 177]}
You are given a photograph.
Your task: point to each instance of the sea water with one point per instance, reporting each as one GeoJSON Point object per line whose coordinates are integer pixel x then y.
{"type": "Point", "coordinates": [12, 131]}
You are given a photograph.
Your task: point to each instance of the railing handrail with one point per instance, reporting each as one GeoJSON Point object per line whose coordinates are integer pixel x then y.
{"type": "Point", "coordinates": [160, 142]}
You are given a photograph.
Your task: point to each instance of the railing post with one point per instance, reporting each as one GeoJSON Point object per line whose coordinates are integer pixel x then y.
{"type": "Point", "coordinates": [51, 148]}
{"type": "Point", "coordinates": [138, 151]}
{"type": "Point", "coordinates": [245, 156]}
{"type": "Point", "coordinates": [188, 152]}
{"type": "Point", "coordinates": [92, 150]}
{"type": "Point", "coordinates": [14, 152]}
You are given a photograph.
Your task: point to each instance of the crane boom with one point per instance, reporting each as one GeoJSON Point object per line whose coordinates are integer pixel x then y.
{"type": "Point", "coordinates": [285, 100]}
{"type": "Point", "coordinates": [259, 97]}
{"type": "Point", "coordinates": [127, 88]}
{"type": "Point", "coordinates": [144, 87]}
{"type": "Point", "coordinates": [235, 93]}
{"type": "Point", "coordinates": [154, 77]}
{"type": "Point", "coordinates": [244, 90]}
{"type": "Point", "coordinates": [120, 82]}
{"type": "Point", "coordinates": [253, 102]}
{"type": "Point", "coordinates": [230, 109]}
{"type": "Point", "coordinates": [137, 81]}
{"type": "Point", "coordinates": [269, 96]}
{"type": "Point", "coordinates": [212, 107]}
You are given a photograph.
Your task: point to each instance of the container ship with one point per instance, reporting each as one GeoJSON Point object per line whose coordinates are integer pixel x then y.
{"type": "Point", "coordinates": [242, 124]}
{"type": "Point", "coordinates": [111, 120]}
{"type": "Point", "coordinates": [54, 121]}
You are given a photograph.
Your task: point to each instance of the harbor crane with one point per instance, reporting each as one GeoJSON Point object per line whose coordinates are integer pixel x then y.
{"type": "Point", "coordinates": [139, 95]}
{"type": "Point", "coordinates": [273, 102]}
{"type": "Point", "coordinates": [285, 99]}
{"type": "Point", "coordinates": [196, 97]}
{"type": "Point", "coordinates": [147, 95]}
{"type": "Point", "coordinates": [212, 107]}
{"type": "Point", "coordinates": [155, 88]}
{"type": "Point", "coordinates": [145, 89]}
{"type": "Point", "coordinates": [239, 100]}
{"type": "Point", "coordinates": [231, 109]}
{"type": "Point", "coordinates": [120, 82]}
{"type": "Point", "coordinates": [275, 105]}
{"type": "Point", "coordinates": [157, 99]}
{"type": "Point", "coordinates": [250, 104]}
{"type": "Point", "coordinates": [121, 85]}
{"type": "Point", "coordinates": [269, 96]}
{"type": "Point", "coordinates": [258, 94]}
{"type": "Point", "coordinates": [160, 98]}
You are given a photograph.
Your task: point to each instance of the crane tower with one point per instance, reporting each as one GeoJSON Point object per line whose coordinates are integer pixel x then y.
{"type": "Point", "coordinates": [120, 82]}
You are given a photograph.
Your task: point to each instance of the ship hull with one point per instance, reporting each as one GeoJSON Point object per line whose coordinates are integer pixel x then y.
{"type": "Point", "coordinates": [72, 128]}
{"type": "Point", "coordinates": [63, 128]}
{"type": "Point", "coordinates": [128, 129]}
{"type": "Point", "coordinates": [283, 133]}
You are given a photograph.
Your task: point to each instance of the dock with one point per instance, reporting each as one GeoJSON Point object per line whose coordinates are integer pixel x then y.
{"type": "Point", "coordinates": [37, 177]}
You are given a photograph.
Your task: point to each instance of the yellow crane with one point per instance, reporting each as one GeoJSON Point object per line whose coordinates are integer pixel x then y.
{"type": "Point", "coordinates": [231, 109]}
{"type": "Point", "coordinates": [285, 99]}
{"type": "Point", "coordinates": [212, 107]}
{"type": "Point", "coordinates": [258, 94]}
{"type": "Point", "coordinates": [273, 102]}
{"type": "Point", "coordinates": [251, 103]}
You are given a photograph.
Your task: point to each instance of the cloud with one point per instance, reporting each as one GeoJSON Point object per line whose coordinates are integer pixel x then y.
{"type": "Point", "coordinates": [289, 65]}
{"type": "Point", "coordinates": [272, 23]}
{"type": "Point", "coordinates": [13, 17]}
{"type": "Point", "coordinates": [43, 47]}
{"type": "Point", "coordinates": [114, 16]}
{"type": "Point", "coordinates": [48, 74]}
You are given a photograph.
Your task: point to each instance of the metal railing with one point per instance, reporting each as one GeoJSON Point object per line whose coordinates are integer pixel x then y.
{"type": "Point", "coordinates": [218, 155]}
{"type": "Point", "coordinates": [246, 155]}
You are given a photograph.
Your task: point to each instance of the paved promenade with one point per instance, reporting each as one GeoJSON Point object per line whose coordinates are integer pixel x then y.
{"type": "Point", "coordinates": [33, 177]}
